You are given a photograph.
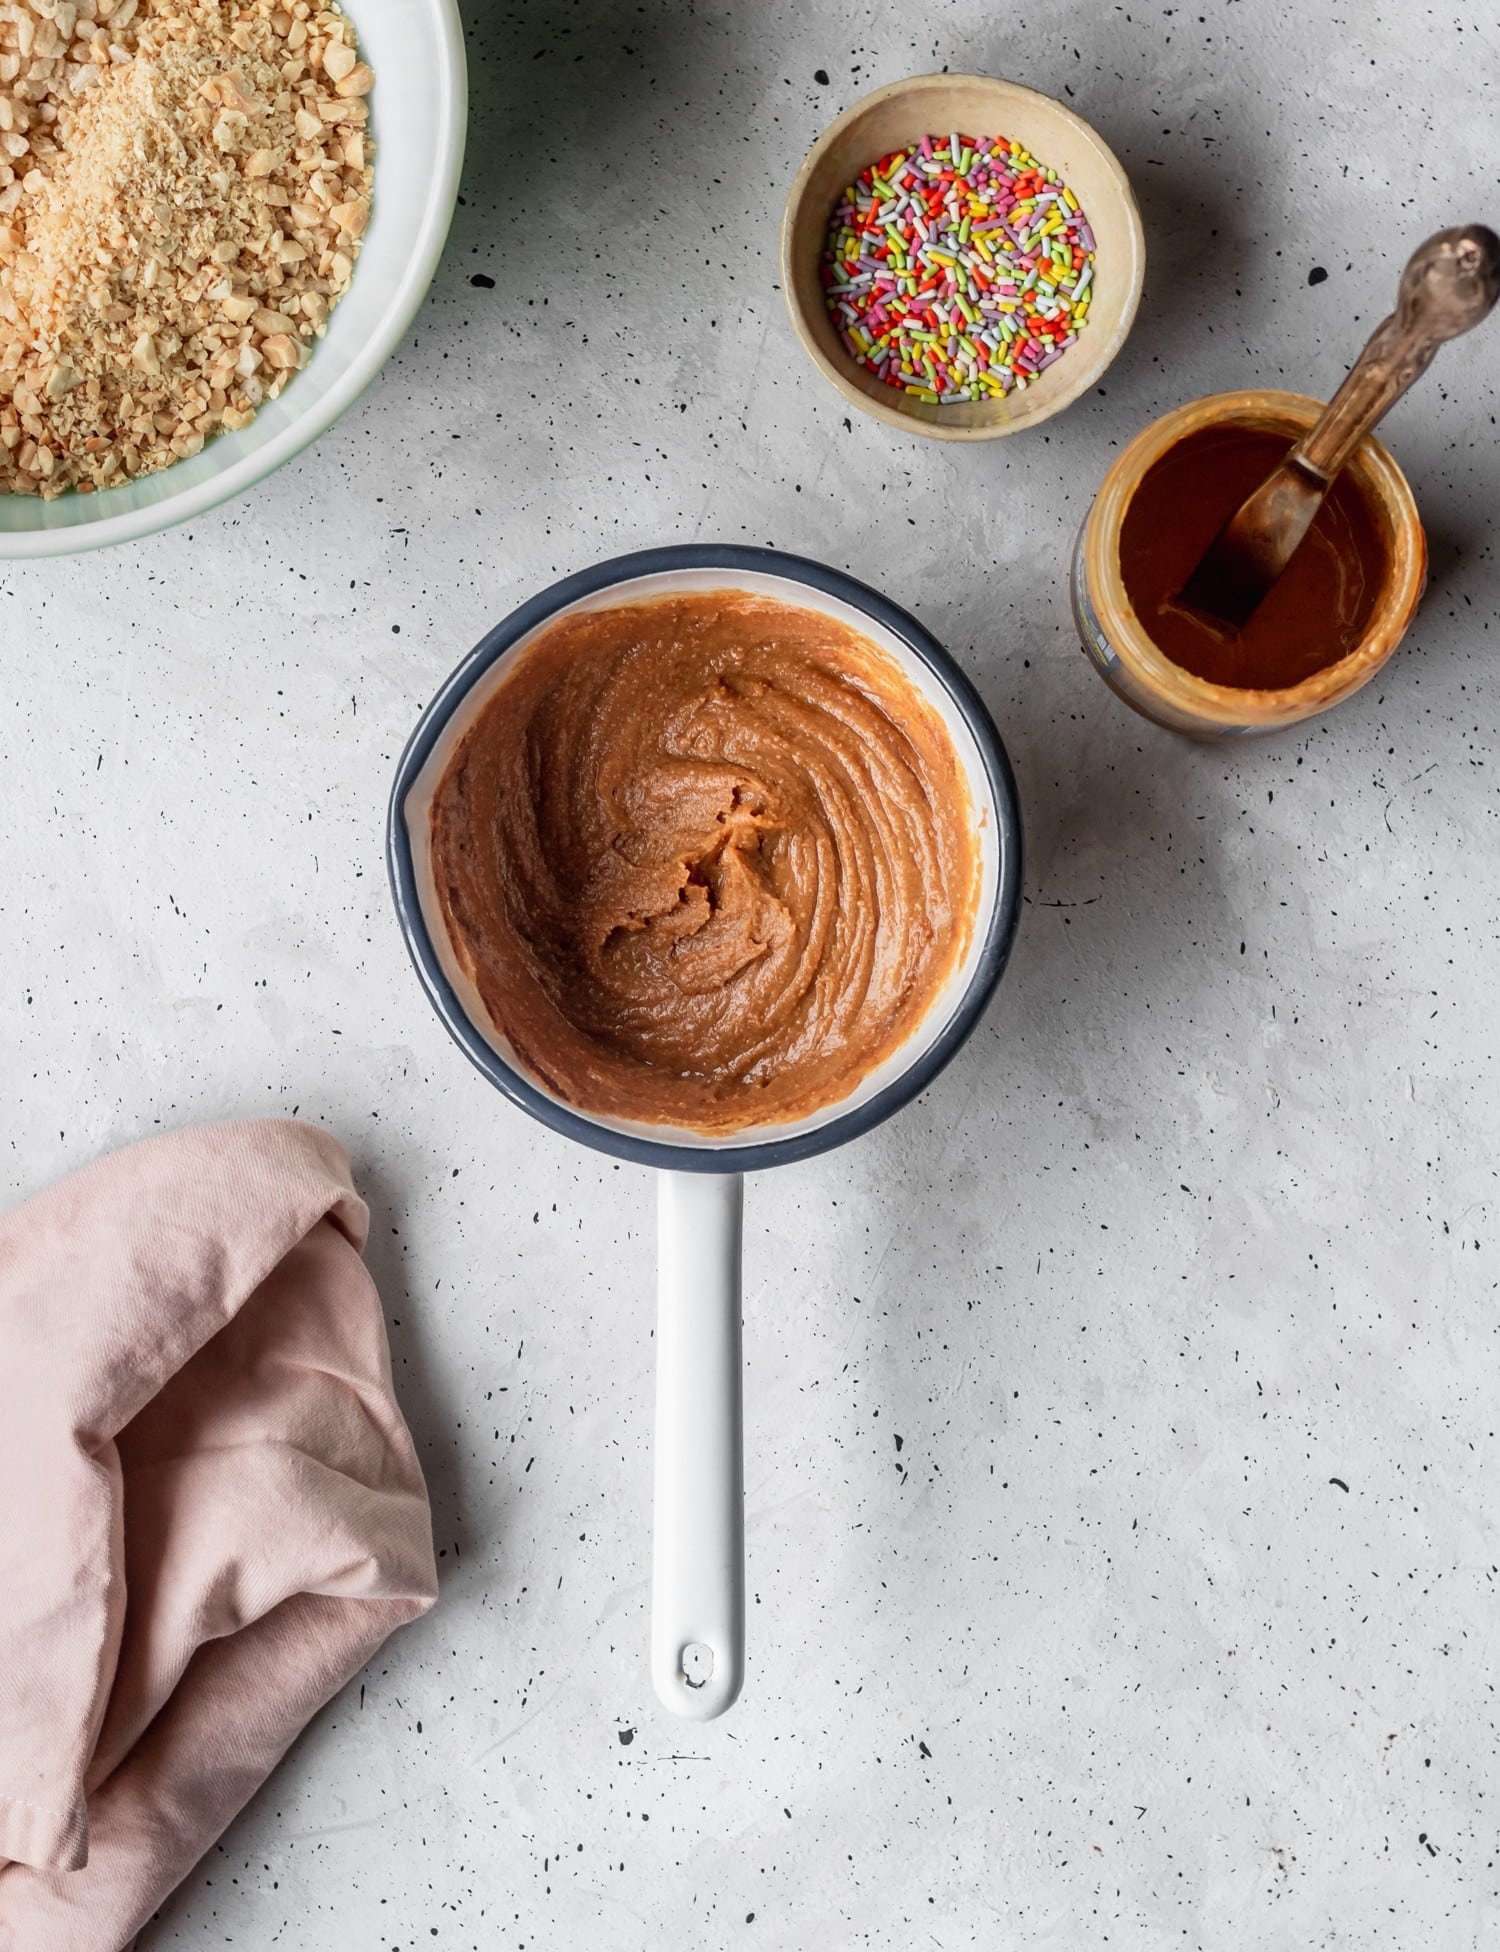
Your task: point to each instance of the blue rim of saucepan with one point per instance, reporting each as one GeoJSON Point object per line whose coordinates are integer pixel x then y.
{"type": "Point", "coordinates": [757, 1154]}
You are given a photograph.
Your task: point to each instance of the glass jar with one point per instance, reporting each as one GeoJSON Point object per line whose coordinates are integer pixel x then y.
{"type": "Point", "coordinates": [1132, 665]}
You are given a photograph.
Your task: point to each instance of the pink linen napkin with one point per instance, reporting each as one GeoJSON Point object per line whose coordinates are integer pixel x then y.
{"type": "Point", "coordinates": [211, 1514]}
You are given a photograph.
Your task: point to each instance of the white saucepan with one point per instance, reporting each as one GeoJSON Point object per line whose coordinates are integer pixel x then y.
{"type": "Point", "coordinates": [698, 1588]}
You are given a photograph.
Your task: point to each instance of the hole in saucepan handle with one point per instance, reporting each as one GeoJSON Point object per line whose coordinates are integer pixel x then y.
{"type": "Point", "coordinates": [697, 1662]}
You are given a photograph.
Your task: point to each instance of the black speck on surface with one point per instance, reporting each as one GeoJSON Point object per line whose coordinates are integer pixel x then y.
{"type": "Point", "coordinates": [1317, 275]}
{"type": "Point", "coordinates": [1340, 1483]}
{"type": "Point", "coordinates": [820, 76]}
{"type": "Point", "coordinates": [627, 1736]}
{"type": "Point", "coordinates": [483, 280]}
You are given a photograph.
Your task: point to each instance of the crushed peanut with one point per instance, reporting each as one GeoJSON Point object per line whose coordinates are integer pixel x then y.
{"type": "Point", "coordinates": [183, 189]}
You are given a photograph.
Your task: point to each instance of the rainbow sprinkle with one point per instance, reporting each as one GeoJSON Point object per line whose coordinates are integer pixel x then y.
{"type": "Point", "coordinates": [958, 270]}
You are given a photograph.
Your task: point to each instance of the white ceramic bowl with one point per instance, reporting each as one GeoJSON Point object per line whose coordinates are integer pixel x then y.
{"type": "Point", "coordinates": [418, 113]}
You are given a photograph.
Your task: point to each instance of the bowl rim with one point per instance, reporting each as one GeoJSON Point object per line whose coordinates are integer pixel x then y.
{"type": "Point", "coordinates": [323, 408]}
{"type": "Point", "coordinates": [1000, 925]}
{"type": "Point", "coordinates": [1028, 415]}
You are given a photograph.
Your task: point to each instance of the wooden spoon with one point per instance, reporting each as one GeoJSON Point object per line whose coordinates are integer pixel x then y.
{"type": "Point", "coordinates": [1448, 286]}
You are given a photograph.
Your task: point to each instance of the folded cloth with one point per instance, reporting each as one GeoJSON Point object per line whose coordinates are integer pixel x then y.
{"type": "Point", "coordinates": [211, 1513]}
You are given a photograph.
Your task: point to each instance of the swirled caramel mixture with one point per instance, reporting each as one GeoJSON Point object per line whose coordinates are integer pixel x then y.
{"type": "Point", "coordinates": [708, 859]}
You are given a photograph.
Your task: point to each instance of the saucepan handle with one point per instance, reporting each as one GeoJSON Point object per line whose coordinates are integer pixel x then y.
{"type": "Point", "coordinates": [698, 1569]}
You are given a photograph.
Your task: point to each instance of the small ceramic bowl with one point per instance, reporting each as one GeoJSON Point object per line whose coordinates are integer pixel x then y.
{"type": "Point", "coordinates": [418, 115]}
{"type": "Point", "coordinates": [974, 105]}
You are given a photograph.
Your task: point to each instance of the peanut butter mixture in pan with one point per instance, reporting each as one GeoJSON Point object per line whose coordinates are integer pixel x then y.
{"type": "Point", "coordinates": [707, 859]}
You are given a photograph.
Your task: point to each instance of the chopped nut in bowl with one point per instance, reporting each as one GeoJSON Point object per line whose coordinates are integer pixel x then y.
{"type": "Point", "coordinates": [217, 217]}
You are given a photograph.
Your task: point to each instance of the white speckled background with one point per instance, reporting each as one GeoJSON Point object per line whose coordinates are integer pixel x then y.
{"type": "Point", "coordinates": [1062, 1633]}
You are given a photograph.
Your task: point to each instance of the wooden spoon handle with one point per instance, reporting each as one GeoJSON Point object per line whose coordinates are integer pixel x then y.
{"type": "Point", "coordinates": [1449, 285]}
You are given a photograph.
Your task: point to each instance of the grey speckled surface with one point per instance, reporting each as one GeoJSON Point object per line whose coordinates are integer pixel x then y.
{"type": "Point", "coordinates": [1064, 1629]}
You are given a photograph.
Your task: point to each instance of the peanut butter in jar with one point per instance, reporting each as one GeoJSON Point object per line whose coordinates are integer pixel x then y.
{"type": "Point", "coordinates": [1339, 611]}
